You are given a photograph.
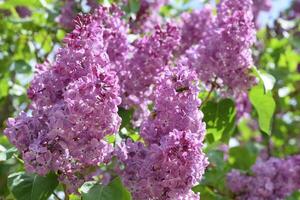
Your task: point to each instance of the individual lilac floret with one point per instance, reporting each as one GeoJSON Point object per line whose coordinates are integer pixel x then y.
{"type": "Point", "coordinates": [150, 58]}
{"type": "Point", "coordinates": [194, 27]}
{"type": "Point", "coordinates": [74, 107]}
{"type": "Point", "coordinates": [166, 171]}
{"type": "Point", "coordinates": [176, 106]}
{"type": "Point", "coordinates": [225, 53]}
{"type": "Point", "coordinates": [272, 179]}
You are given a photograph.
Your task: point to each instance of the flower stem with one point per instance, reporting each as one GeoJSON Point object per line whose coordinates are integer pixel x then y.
{"type": "Point", "coordinates": [213, 86]}
{"type": "Point", "coordinates": [66, 192]}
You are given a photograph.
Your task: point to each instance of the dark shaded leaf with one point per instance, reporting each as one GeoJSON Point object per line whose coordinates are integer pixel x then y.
{"type": "Point", "coordinates": [220, 119]}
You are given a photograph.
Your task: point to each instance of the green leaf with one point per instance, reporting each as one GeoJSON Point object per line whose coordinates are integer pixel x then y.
{"type": "Point", "coordinates": [60, 34]}
{"type": "Point", "coordinates": [113, 191]}
{"type": "Point", "coordinates": [264, 104]}
{"type": "Point", "coordinates": [74, 197]}
{"type": "Point", "coordinates": [7, 154]}
{"type": "Point", "coordinates": [242, 157]}
{"type": "Point", "coordinates": [4, 169]}
{"type": "Point", "coordinates": [31, 186]}
{"type": "Point", "coordinates": [294, 196]}
{"type": "Point", "coordinates": [134, 6]}
{"type": "Point", "coordinates": [207, 193]}
{"type": "Point", "coordinates": [126, 116]}
{"type": "Point", "coordinates": [220, 119]}
{"type": "Point", "coordinates": [4, 87]}
{"type": "Point", "coordinates": [267, 79]}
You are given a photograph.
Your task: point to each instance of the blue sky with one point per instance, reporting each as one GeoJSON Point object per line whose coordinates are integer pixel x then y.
{"type": "Point", "coordinates": [277, 7]}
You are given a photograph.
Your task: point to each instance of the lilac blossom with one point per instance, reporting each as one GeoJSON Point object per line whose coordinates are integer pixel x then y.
{"type": "Point", "coordinates": [165, 171]}
{"type": "Point", "coordinates": [67, 15]}
{"type": "Point", "coordinates": [150, 57]}
{"type": "Point", "coordinates": [70, 10]}
{"type": "Point", "coordinates": [23, 11]}
{"type": "Point", "coordinates": [74, 106]}
{"type": "Point", "coordinates": [296, 6]}
{"type": "Point", "coordinates": [194, 27]}
{"type": "Point", "coordinates": [274, 178]}
{"type": "Point", "coordinates": [225, 53]}
{"type": "Point", "coordinates": [294, 11]}
{"type": "Point", "coordinates": [243, 105]}
{"type": "Point", "coordinates": [176, 106]}
{"type": "Point", "coordinates": [170, 162]}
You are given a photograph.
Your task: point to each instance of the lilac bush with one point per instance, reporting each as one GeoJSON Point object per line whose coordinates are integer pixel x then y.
{"type": "Point", "coordinates": [160, 101]}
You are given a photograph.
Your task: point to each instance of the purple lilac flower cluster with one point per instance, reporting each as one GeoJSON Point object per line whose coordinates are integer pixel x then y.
{"type": "Point", "coordinates": [114, 34]}
{"type": "Point", "coordinates": [23, 11]}
{"type": "Point", "coordinates": [169, 114]}
{"type": "Point", "coordinates": [225, 53]}
{"type": "Point", "coordinates": [271, 179]}
{"type": "Point", "coordinates": [294, 11]}
{"type": "Point", "coordinates": [150, 57]}
{"type": "Point", "coordinates": [170, 162]}
{"type": "Point", "coordinates": [194, 27]}
{"type": "Point", "coordinates": [74, 106]}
